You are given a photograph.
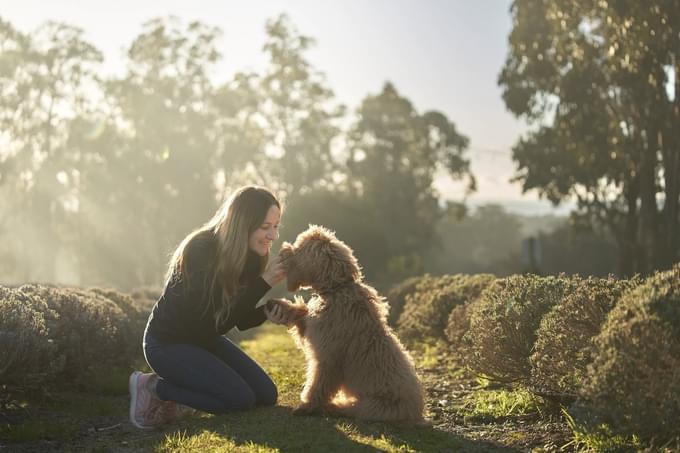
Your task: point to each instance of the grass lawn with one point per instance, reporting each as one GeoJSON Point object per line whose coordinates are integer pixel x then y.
{"type": "Point", "coordinates": [95, 419]}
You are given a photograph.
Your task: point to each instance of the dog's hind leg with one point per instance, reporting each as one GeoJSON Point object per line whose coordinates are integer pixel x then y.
{"type": "Point", "coordinates": [379, 409]}
{"type": "Point", "coordinates": [323, 382]}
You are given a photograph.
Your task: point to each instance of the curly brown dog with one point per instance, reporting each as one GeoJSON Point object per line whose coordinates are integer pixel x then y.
{"type": "Point", "coordinates": [356, 366]}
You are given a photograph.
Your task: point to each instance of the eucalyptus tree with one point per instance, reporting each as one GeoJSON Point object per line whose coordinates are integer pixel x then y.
{"type": "Point", "coordinates": [48, 78]}
{"type": "Point", "coordinates": [598, 82]}
{"type": "Point", "coordinates": [297, 112]}
{"type": "Point", "coordinates": [394, 155]}
{"type": "Point", "coordinates": [165, 107]}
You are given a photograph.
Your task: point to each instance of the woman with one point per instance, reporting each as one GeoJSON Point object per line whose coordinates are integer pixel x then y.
{"type": "Point", "coordinates": [216, 276]}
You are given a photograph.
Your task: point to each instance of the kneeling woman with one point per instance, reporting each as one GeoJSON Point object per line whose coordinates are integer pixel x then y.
{"type": "Point", "coordinates": [215, 278]}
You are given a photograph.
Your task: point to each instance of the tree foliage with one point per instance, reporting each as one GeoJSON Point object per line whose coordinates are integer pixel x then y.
{"type": "Point", "coordinates": [597, 80]}
{"type": "Point", "coordinates": [394, 154]}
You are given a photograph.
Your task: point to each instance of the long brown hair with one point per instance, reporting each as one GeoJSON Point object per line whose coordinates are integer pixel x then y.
{"type": "Point", "coordinates": [231, 225]}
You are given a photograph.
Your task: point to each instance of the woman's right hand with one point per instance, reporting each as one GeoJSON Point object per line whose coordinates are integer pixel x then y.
{"type": "Point", "coordinates": [275, 271]}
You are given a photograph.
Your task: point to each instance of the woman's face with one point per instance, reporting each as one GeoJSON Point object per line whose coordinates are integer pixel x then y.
{"type": "Point", "coordinates": [260, 240]}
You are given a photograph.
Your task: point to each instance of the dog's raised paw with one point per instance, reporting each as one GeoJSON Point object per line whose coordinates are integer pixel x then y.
{"type": "Point", "coordinates": [271, 303]}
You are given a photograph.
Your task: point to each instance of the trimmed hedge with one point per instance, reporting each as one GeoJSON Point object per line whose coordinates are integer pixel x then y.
{"type": "Point", "coordinates": [503, 324]}
{"type": "Point", "coordinates": [54, 336]}
{"type": "Point", "coordinates": [145, 297]}
{"type": "Point", "coordinates": [90, 329]}
{"type": "Point", "coordinates": [28, 356]}
{"type": "Point", "coordinates": [458, 322]}
{"type": "Point", "coordinates": [634, 380]}
{"type": "Point", "coordinates": [427, 310]}
{"type": "Point", "coordinates": [396, 297]}
{"type": "Point", "coordinates": [564, 338]}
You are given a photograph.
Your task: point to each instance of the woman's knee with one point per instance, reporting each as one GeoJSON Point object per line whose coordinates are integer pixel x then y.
{"type": "Point", "coordinates": [269, 395]}
{"type": "Point", "coordinates": [238, 399]}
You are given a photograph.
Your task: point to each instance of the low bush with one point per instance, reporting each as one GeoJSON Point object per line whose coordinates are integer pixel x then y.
{"type": "Point", "coordinates": [458, 322]}
{"type": "Point", "coordinates": [564, 338]}
{"type": "Point", "coordinates": [396, 297]}
{"type": "Point", "coordinates": [633, 383]}
{"type": "Point", "coordinates": [503, 324]}
{"type": "Point", "coordinates": [88, 331]}
{"type": "Point", "coordinates": [427, 310]}
{"type": "Point", "coordinates": [28, 356]}
{"type": "Point", "coordinates": [145, 297]}
{"type": "Point", "coordinates": [136, 312]}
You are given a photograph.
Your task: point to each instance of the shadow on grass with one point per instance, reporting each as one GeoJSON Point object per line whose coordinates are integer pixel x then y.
{"type": "Point", "coordinates": [277, 428]}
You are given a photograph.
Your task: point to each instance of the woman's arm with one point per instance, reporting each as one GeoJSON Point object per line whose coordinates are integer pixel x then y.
{"type": "Point", "coordinates": [243, 310]}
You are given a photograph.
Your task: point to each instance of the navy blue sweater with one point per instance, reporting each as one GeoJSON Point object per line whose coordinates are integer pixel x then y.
{"type": "Point", "coordinates": [180, 315]}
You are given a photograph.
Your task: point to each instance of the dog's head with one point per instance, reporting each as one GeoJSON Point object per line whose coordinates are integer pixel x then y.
{"type": "Point", "coordinates": [318, 259]}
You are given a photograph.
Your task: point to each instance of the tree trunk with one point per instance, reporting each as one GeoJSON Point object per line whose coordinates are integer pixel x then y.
{"type": "Point", "coordinates": [671, 243]}
{"type": "Point", "coordinates": [628, 240]}
{"type": "Point", "coordinates": [648, 209]}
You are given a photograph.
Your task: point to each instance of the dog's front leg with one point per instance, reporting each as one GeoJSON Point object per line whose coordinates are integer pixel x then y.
{"type": "Point", "coordinates": [298, 327]}
{"type": "Point", "coordinates": [297, 324]}
{"type": "Point", "coordinates": [322, 384]}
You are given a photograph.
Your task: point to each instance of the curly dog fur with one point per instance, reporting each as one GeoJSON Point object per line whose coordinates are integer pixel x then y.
{"type": "Point", "coordinates": [356, 366]}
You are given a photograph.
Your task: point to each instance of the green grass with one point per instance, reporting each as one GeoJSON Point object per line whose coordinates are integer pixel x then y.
{"type": "Point", "coordinates": [113, 382]}
{"type": "Point", "coordinates": [37, 429]}
{"type": "Point", "coordinates": [276, 429]}
{"type": "Point", "coordinates": [600, 439]}
{"type": "Point", "coordinates": [70, 420]}
{"type": "Point", "coordinates": [489, 405]}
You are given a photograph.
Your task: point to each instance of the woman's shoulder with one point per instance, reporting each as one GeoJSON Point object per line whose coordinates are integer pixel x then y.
{"type": "Point", "coordinates": [200, 251]}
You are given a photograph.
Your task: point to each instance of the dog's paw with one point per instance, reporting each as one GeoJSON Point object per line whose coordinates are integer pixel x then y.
{"type": "Point", "coordinates": [288, 312]}
{"type": "Point", "coordinates": [305, 409]}
{"type": "Point", "coordinates": [271, 303]}
{"type": "Point", "coordinates": [297, 311]}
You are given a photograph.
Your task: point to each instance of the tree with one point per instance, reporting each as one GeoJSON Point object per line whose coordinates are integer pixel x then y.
{"type": "Point", "coordinates": [166, 107]}
{"type": "Point", "coordinates": [593, 79]}
{"type": "Point", "coordinates": [296, 112]}
{"type": "Point", "coordinates": [46, 80]}
{"type": "Point", "coordinates": [394, 154]}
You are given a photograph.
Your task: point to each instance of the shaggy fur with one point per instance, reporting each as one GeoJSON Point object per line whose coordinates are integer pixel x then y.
{"type": "Point", "coordinates": [356, 366]}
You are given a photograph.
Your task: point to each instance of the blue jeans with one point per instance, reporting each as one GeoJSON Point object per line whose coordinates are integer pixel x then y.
{"type": "Point", "coordinates": [217, 379]}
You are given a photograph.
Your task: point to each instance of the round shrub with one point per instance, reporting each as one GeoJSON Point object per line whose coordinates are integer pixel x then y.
{"type": "Point", "coordinates": [396, 297]}
{"type": "Point", "coordinates": [564, 338]}
{"type": "Point", "coordinates": [503, 324]}
{"type": "Point", "coordinates": [458, 324]}
{"type": "Point", "coordinates": [426, 312]}
{"type": "Point", "coordinates": [89, 331]}
{"type": "Point", "coordinates": [28, 356]}
{"type": "Point", "coordinates": [136, 313]}
{"type": "Point", "coordinates": [145, 297]}
{"type": "Point", "coordinates": [634, 380]}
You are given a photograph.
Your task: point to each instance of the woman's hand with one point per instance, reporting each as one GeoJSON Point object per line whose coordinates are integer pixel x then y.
{"type": "Point", "coordinates": [275, 271]}
{"type": "Point", "coordinates": [276, 314]}
{"type": "Point", "coordinates": [282, 311]}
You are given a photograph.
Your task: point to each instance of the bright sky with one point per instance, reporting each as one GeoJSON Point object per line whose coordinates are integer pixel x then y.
{"type": "Point", "coordinates": [441, 54]}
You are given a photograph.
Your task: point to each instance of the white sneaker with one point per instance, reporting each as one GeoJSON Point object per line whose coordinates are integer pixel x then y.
{"type": "Point", "coordinates": [146, 410]}
{"type": "Point", "coordinates": [172, 410]}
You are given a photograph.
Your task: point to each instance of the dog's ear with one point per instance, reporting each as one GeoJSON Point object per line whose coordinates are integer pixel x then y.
{"type": "Point", "coordinates": [286, 251]}
{"type": "Point", "coordinates": [342, 265]}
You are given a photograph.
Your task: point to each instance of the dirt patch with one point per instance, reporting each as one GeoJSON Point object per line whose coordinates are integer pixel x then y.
{"type": "Point", "coordinates": [447, 386]}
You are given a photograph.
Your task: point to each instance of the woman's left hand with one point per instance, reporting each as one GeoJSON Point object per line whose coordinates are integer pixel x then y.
{"type": "Point", "coordinates": [276, 314]}
{"type": "Point", "coordinates": [275, 271]}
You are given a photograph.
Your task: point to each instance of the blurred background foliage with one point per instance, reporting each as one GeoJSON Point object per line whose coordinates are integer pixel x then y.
{"type": "Point", "coordinates": [102, 176]}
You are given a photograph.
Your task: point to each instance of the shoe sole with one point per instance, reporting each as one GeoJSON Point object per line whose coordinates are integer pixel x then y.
{"type": "Point", "coordinates": [132, 385]}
